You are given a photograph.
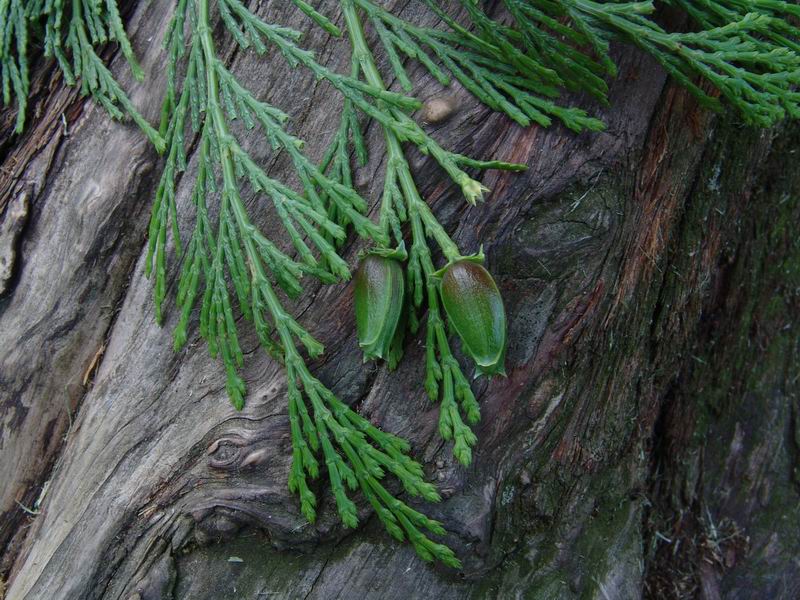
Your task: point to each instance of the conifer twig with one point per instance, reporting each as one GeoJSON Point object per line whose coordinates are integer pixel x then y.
{"type": "Point", "coordinates": [73, 32]}
{"type": "Point", "coordinates": [747, 49]}
{"type": "Point", "coordinates": [401, 203]}
{"type": "Point", "coordinates": [524, 94]}
{"type": "Point", "coordinates": [357, 455]}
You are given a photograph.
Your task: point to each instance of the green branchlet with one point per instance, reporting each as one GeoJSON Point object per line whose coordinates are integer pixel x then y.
{"type": "Point", "coordinates": [209, 99]}
{"type": "Point", "coordinates": [737, 57]}
{"type": "Point", "coordinates": [234, 264]}
{"type": "Point", "coordinates": [746, 49]}
{"type": "Point", "coordinates": [14, 70]}
{"type": "Point", "coordinates": [74, 30]}
{"type": "Point", "coordinates": [401, 203]}
{"type": "Point", "coordinates": [336, 161]}
{"type": "Point", "coordinates": [357, 455]}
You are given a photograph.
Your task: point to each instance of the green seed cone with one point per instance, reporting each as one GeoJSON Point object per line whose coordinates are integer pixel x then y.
{"type": "Point", "coordinates": [379, 294]}
{"type": "Point", "coordinates": [475, 309]}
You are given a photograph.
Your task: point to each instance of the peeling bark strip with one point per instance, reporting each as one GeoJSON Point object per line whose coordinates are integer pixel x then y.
{"type": "Point", "coordinates": [10, 233]}
{"type": "Point", "coordinates": [646, 441]}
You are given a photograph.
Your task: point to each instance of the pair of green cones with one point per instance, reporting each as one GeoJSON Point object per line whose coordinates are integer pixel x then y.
{"type": "Point", "coordinates": [469, 295]}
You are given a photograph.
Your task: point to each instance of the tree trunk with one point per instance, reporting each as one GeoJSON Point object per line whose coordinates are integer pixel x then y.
{"type": "Point", "coordinates": [646, 442]}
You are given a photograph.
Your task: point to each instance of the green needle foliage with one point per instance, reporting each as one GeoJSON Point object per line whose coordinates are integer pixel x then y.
{"type": "Point", "coordinates": [336, 162]}
{"type": "Point", "coordinates": [765, 68]}
{"type": "Point", "coordinates": [756, 79]}
{"type": "Point", "coordinates": [235, 254]}
{"type": "Point", "coordinates": [72, 31]}
{"type": "Point", "coordinates": [14, 57]}
{"type": "Point", "coordinates": [746, 50]}
{"type": "Point", "coordinates": [209, 99]}
{"type": "Point", "coordinates": [516, 62]}
{"type": "Point", "coordinates": [522, 90]}
{"type": "Point", "coordinates": [401, 205]}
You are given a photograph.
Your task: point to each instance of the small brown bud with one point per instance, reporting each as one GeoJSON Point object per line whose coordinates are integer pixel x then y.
{"type": "Point", "coordinates": [439, 109]}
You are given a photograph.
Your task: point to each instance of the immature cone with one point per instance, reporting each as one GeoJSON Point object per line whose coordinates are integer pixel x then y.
{"type": "Point", "coordinates": [475, 309]}
{"type": "Point", "coordinates": [378, 302]}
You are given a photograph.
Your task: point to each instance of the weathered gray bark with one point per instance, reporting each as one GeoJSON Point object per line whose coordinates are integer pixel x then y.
{"type": "Point", "coordinates": [646, 441]}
